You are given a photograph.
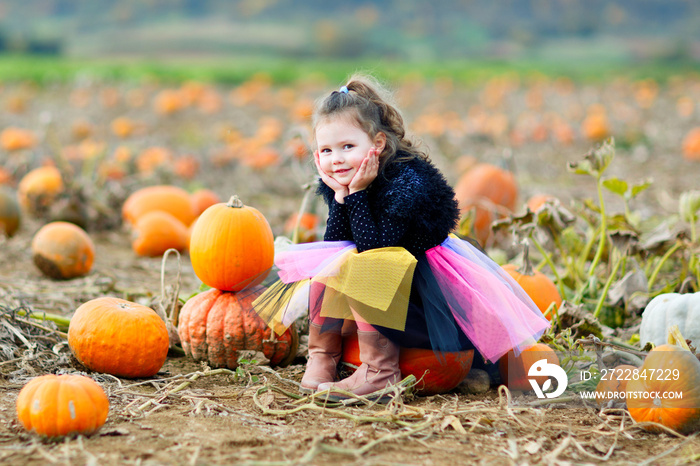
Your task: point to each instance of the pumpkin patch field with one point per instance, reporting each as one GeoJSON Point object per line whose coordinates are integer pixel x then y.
{"type": "Point", "coordinates": [139, 220]}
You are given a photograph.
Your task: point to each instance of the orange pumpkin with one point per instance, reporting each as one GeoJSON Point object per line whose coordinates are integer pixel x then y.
{"type": "Point", "coordinates": [12, 139]}
{"type": "Point", "coordinates": [186, 166]}
{"type": "Point", "coordinates": [435, 374]}
{"type": "Point", "coordinates": [203, 199]}
{"type": "Point", "coordinates": [596, 126]}
{"type": "Point", "coordinates": [58, 405]}
{"type": "Point", "coordinates": [214, 325]}
{"type": "Point", "coordinates": [118, 337]}
{"type": "Point", "coordinates": [514, 369]}
{"type": "Point", "coordinates": [232, 246]}
{"type": "Point", "coordinates": [39, 188]}
{"type": "Point", "coordinates": [9, 212]}
{"type": "Point", "coordinates": [6, 177]}
{"type": "Point", "coordinates": [538, 200]}
{"type": "Point", "coordinates": [613, 383]}
{"type": "Point", "coordinates": [152, 158]}
{"type": "Point", "coordinates": [169, 101]}
{"type": "Point", "coordinates": [172, 199]}
{"type": "Point", "coordinates": [691, 145]}
{"type": "Point", "coordinates": [123, 127]}
{"type": "Point", "coordinates": [308, 225]}
{"type": "Point", "coordinates": [667, 370]}
{"type": "Point", "coordinates": [63, 250]}
{"type": "Point", "coordinates": [492, 191]}
{"type": "Point", "coordinates": [537, 285]}
{"type": "Point", "coordinates": [157, 231]}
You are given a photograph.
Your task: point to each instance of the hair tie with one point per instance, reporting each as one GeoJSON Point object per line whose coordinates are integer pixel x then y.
{"type": "Point", "coordinates": [343, 89]}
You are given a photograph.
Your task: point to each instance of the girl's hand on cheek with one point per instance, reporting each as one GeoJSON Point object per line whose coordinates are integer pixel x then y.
{"type": "Point", "coordinates": [366, 173]}
{"type": "Point", "coordinates": [340, 190]}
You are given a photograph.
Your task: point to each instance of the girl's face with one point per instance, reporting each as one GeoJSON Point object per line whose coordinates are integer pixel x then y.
{"type": "Point", "coordinates": [342, 146]}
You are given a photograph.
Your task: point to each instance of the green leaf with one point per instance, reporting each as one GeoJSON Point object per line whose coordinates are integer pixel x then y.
{"type": "Point", "coordinates": [638, 188]}
{"type": "Point", "coordinates": [616, 185]}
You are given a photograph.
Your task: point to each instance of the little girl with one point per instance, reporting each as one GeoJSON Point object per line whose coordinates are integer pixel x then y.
{"type": "Point", "coordinates": [388, 261]}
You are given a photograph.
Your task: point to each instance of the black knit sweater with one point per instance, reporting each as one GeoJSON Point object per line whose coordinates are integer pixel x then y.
{"type": "Point", "coordinates": [409, 204]}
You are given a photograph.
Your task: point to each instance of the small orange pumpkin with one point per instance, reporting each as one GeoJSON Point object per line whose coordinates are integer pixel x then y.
{"type": "Point", "coordinates": [58, 405]}
{"type": "Point", "coordinates": [514, 369]}
{"type": "Point", "coordinates": [667, 370]}
{"type": "Point", "coordinates": [492, 191]}
{"type": "Point", "coordinates": [39, 188]}
{"type": "Point", "coordinates": [9, 212]}
{"type": "Point", "coordinates": [435, 374]}
{"type": "Point", "coordinates": [156, 232]}
{"type": "Point", "coordinates": [152, 159]}
{"type": "Point", "coordinates": [691, 144]}
{"type": "Point", "coordinates": [214, 325]}
{"type": "Point", "coordinates": [538, 200]}
{"type": "Point", "coordinates": [63, 250]}
{"type": "Point", "coordinates": [232, 246]}
{"type": "Point", "coordinates": [12, 139]}
{"type": "Point", "coordinates": [123, 127]}
{"type": "Point", "coordinates": [306, 231]}
{"type": "Point", "coordinates": [202, 199]}
{"type": "Point", "coordinates": [596, 126]}
{"type": "Point", "coordinates": [537, 285]}
{"type": "Point", "coordinates": [118, 337]}
{"type": "Point", "coordinates": [172, 199]}
{"type": "Point", "coordinates": [613, 383]}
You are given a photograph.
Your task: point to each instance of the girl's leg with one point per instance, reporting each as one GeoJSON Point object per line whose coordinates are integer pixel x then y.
{"type": "Point", "coordinates": [325, 351]}
{"type": "Point", "coordinates": [380, 362]}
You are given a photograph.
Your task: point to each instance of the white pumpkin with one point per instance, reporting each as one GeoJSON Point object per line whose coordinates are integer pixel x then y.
{"type": "Point", "coordinates": [666, 310]}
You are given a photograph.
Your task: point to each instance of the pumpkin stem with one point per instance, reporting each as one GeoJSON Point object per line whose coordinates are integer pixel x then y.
{"type": "Point", "coordinates": [234, 202]}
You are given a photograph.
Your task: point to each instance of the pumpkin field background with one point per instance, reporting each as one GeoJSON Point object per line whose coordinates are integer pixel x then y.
{"type": "Point", "coordinates": [251, 138]}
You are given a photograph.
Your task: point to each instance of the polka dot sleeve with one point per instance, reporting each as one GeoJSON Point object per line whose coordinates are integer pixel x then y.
{"type": "Point", "coordinates": [338, 224]}
{"type": "Point", "coordinates": [368, 233]}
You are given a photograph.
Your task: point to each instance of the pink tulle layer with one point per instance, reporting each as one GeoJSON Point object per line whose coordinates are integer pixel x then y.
{"type": "Point", "coordinates": [488, 305]}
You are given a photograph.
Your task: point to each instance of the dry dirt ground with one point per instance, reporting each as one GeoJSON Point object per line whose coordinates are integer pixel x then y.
{"type": "Point", "coordinates": [191, 415]}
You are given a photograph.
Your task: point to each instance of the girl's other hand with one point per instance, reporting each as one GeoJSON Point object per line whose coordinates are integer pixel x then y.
{"type": "Point", "coordinates": [340, 190]}
{"type": "Point", "coordinates": [366, 173]}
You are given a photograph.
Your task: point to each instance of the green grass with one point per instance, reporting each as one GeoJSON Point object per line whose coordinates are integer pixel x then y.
{"type": "Point", "coordinates": [234, 70]}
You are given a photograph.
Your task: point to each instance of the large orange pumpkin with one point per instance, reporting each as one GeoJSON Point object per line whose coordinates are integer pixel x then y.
{"type": "Point", "coordinates": [215, 325]}
{"type": "Point", "coordinates": [491, 191]}
{"type": "Point", "coordinates": [118, 337]}
{"type": "Point", "coordinates": [172, 199]}
{"type": "Point", "coordinates": [9, 212]}
{"type": "Point", "coordinates": [63, 250]}
{"type": "Point", "coordinates": [435, 374]}
{"type": "Point", "coordinates": [39, 188]}
{"type": "Point", "coordinates": [537, 285]}
{"type": "Point", "coordinates": [157, 231]}
{"type": "Point", "coordinates": [667, 390]}
{"type": "Point", "coordinates": [58, 405]}
{"type": "Point", "coordinates": [514, 369]}
{"type": "Point", "coordinates": [232, 246]}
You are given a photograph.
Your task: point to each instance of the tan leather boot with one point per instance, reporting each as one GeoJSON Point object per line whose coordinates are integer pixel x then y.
{"type": "Point", "coordinates": [380, 367]}
{"type": "Point", "coordinates": [325, 350]}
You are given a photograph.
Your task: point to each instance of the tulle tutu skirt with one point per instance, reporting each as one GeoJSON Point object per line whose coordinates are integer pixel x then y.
{"type": "Point", "coordinates": [448, 299]}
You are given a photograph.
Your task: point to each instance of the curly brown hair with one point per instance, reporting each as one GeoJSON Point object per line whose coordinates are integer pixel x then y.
{"type": "Point", "coordinates": [370, 104]}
